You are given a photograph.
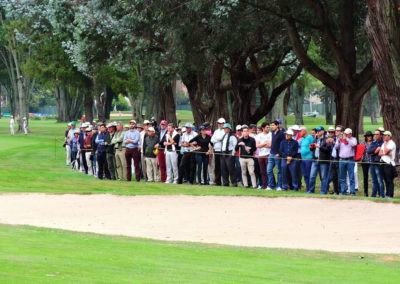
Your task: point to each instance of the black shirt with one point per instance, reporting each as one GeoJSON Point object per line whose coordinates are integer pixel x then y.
{"type": "Point", "coordinates": [249, 142]}
{"type": "Point", "coordinates": [202, 142]}
{"type": "Point", "coordinates": [176, 139]}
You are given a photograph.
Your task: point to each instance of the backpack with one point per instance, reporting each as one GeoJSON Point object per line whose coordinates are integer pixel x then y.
{"type": "Point", "coordinates": [360, 149]}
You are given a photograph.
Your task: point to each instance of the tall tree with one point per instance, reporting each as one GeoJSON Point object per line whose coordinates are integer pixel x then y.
{"type": "Point", "coordinates": [383, 29]}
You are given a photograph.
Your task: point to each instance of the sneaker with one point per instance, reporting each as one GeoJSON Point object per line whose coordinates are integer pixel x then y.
{"type": "Point", "coordinates": [268, 188]}
{"type": "Point", "coordinates": [167, 182]}
{"type": "Point", "coordinates": [254, 187]}
{"type": "Point", "coordinates": [175, 182]}
{"type": "Point", "coordinates": [259, 187]}
{"type": "Point", "coordinates": [278, 189]}
{"type": "Point", "coordinates": [352, 194]}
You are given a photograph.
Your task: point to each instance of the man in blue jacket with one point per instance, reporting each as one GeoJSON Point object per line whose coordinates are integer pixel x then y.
{"type": "Point", "coordinates": [287, 151]}
{"type": "Point", "coordinates": [373, 151]}
{"type": "Point", "coordinates": [278, 135]}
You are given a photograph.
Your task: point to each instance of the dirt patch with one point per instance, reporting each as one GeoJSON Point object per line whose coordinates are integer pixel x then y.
{"type": "Point", "coordinates": [307, 223]}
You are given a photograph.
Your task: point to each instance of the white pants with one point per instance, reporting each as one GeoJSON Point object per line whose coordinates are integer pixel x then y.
{"type": "Point", "coordinates": [12, 130]}
{"type": "Point", "coordinates": [26, 130]}
{"type": "Point", "coordinates": [89, 163]}
{"type": "Point", "coordinates": [172, 166]}
{"type": "Point", "coordinates": [82, 168]}
{"type": "Point", "coordinates": [211, 170]}
{"type": "Point", "coordinates": [68, 151]}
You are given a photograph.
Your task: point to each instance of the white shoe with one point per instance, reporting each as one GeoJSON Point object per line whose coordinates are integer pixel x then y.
{"type": "Point", "coordinates": [279, 189]}
{"type": "Point", "coordinates": [259, 187]}
{"type": "Point", "coordinates": [175, 182]}
{"type": "Point", "coordinates": [268, 188]}
{"type": "Point", "coordinates": [167, 182]}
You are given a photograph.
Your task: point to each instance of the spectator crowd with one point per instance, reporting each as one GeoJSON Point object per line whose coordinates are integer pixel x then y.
{"type": "Point", "coordinates": [262, 157]}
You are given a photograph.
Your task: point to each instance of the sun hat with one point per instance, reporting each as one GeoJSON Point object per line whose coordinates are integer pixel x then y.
{"type": "Point", "coordinates": [289, 132]}
{"type": "Point", "coordinates": [348, 131]}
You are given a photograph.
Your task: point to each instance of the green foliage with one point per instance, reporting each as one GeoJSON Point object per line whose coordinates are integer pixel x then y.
{"type": "Point", "coordinates": [181, 98]}
{"type": "Point", "coordinates": [120, 103]}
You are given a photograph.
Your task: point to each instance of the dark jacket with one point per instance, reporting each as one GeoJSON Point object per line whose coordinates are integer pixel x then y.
{"type": "Point", "coordinates": [288, 148]}
{"type": "Point", "coordinates": [109, 148]}
{"type": "Point", "coordinates": [325, 150]}
{"type": "Point", "coordinates": [249, 142]}
{"type": "Point", "coordinates": [148, 146]}
{"type": "Point", "coordinates": [93, 140]}
{"type": "Point", "coordinates": [371, 148]}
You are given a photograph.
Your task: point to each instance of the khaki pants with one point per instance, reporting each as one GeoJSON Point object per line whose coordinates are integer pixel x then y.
{"type": "Point", "coordinates": [151, 164]}
{"type": "Point", "coordinates": [120, 163]}
{"type": "Point", "coordinates": [89, 163]}
{"type": "Point", "coordinates": [144, 167]}
{"type": "Point", "coordinates": [248, 164]}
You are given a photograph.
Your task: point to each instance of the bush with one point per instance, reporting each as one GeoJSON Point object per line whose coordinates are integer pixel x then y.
{"type": "Point", "coordinates": [121, 103]}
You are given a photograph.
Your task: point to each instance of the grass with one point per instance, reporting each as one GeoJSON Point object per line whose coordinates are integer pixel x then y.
{"type": "Point", "coordinates": [39, 255]}
{"type": "Point", "coordinates": [36, 163]}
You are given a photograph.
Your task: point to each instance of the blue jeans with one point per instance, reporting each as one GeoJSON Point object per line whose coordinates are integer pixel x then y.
{"type": "Point", "coordinates": [346, 167]}
{"type": "Point", "coordinates": [306, 170]}
{"type": "Point", "coordinates": [377, 182]}
{"type": "Point", "coordinates": [316, 167]}
{"type": "Point", "coordinates": [272, 161]}
{"type": "Point", "coordinates": [289, 170]}
{"type": "Point", "coordinates": [202, 166]}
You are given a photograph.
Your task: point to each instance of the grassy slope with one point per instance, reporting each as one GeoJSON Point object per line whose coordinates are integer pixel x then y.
{"type": "Point", "coordinates": [32, 255]}
{"type": "Point", "coordinates": [36, 163]}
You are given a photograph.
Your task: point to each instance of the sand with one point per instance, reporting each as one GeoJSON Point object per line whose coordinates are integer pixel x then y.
{"type": "Point", "coordinates": [306, 223]}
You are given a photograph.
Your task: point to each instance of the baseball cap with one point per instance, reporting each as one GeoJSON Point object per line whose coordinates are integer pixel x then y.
{"type": "Point", "coordinates": [279, 121]}
{"type": "Point", "coordinates": [228, 125]}
{"type": "Point", "coordinates": [331, 129]}
{"type": "Point", "coordinates": [201, 128]}
{"type": "Point", "coordinates": [387, 133]}
{"type": "Point", "coordinates": [238, 127]}
{"type": "Point", "coordinates": [146, 122]}
{"type": "Point", "coordinates": [89, 129]}
{"type": "Point", "coordinates": [289, 132]}
{"type": "Point", "coordinates": [207, 124]}
{"type": "Point", "coordinates": [132, 121]}
{"type": "Point", "coordinates": [151, 129]}
{"type": "Point", "coordinates": [244, 126]}
{"type": "Point", "coordinates": [76, 131]}
{"type": "Point", "coordinates": [139, 126]}
{"type": "Point", "coordinates": [73, 122]}
{"type": "Point", "coordinates": [296, 127]}
{"type": "Point", "coordinates": [164, 122]}
{"type": "Point", "coordinates": [319, 128]}
{"type": "Point", "coordinates": [348, 131]}
{"type": "Point", "coordinates": [127, 125]}
{"type": "Point", "coordinates": [221, 120]}
{"type": "Point", "coordinates": [188, 125]}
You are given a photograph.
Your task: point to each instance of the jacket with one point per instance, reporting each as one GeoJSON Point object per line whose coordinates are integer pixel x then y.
{"type": "Point", "coordinates": [325, 150]}
{"type": "Point", "coordinates": [288, 148]}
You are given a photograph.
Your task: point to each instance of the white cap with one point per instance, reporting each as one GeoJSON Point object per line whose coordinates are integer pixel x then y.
{"type": "Point", "coordinates": [330, 129]}
{"type": "Point", "coordinates": [11, 116]}
{"type": "Point", "coordinates": [348, 131]}
{"type": "Point", "coordinates": [221, 120]}
{"type": "Point", "coordinates": [89, 129]}
{"type": "Point", "coordinates": [290, 132]}
{"type": "Point", "coordinates": [151, 129]}
{"type": "Point", "coordinates": [183, 129]}
{"type": "Point", "coordinates": [24, 117]}
{"type": "Point", "coordinates": [295, 127]}
{"type": "Point", "coordinates": [238, 127]}
{"type": "Point", "coordinates": [69, 124]}
{"type": "Point", "coordinates": [76, 131]}
{"type": "Point", "coordinates": [146, 122]}
{"type": "Point", "coordinates": [86, 124]}
{"type": "Point", "coordinates": [110, 125]}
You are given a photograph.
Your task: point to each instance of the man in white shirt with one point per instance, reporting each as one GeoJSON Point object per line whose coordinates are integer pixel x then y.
{"type": "Point", "coordinates": [387, 154]}
{"type": "Point", "coordinates": [25, 126]}
{"type": "Point", "coordinates": [12, 124]}
{"type": "Point", "coordinates": [263, 143]}
{"type": "Point", "coordinates": [216, 140]}
{"type": "Point", "coordinates": [188, 161]}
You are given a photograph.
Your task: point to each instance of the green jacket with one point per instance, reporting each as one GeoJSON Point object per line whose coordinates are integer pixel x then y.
{"type": "Point", "coordinates": [109, 147]}
{"type": "Point", "coordinates": [118, 140]}
{"type": "Point", "coordinates": [148, 145]}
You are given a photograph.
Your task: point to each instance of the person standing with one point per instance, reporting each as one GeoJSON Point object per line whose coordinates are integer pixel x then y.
{"type": "Point", "coordinates": [132, 141]}
{"type": "Point", "coordinates": [95, 132]}
{"type": "Point", "coordinates": [87, 144]}
{"type": "Point", "coordinates": [161, 150]}
{"type": "Point", "coordinates": [25, 126]}
{"type": "Point", "coordinates": [202, 146]}
{"type": "Point", "coordinates": [82, 151]}
{"type": "Point", "coordinates": [306, 155]}
{"type": "Point", "coordinates": [110, 150]}
{"type": "Point", "coordinates": [388, 154]}
{"type": "Point", "coordinates": [188, 160]}
{"type": "Point", "coordinates": [296, 136]}
{"type": "Point", "coordinates": [211, 157]}
{"type": "Point", "coordinates": [366, 160]}
{"type": "Point", "coordinates": [333, 170]}
{"type": "Point", "coordinates": [321, 155]}
{"type": "Point", "coordinates": [346, 150]}
{"type": "Point", "coordinates": [67, 144]}
{"type": "Point", "coordinates": [247, 146]}
{"type": "Point", "coordinates": [263, 143]}
{"type": "Point", "coordinates": [238, 134]}
{"type": "Point", "coordinates": [101, 153]}
{"type": "Point", "coordinates": [119, 146]}
{"type": "Point", "coordinates": [150, 144]}
{"type": "Point", "coordinates": [12, 125]}
{"type": "Point", "coordinates": [171, 156]}
{"type": "Point", "coordinates": [74, 150]}
{"type": "Point", "coordinates": [229, 142]}
{"type": "Point", "coordinates": [143, 134]}
{"type": "Point", "coordinates": [373, 150]}
{"type": "Point", "coordinates": [287, 151]}
{"type": "Point", "coordinates": [277, 136]}
{"type": "Point", "coordinates": [216, 140]}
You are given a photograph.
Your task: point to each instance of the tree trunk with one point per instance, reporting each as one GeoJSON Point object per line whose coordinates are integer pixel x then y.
{"type": "Point", "coordinates": [328, 107]}
{"type": "Point", "coordinates": [383, 31]}
{"type": "Point", "coordinates": [109, 96]}
{"type": "Point", "coordinates": [167, 104]}
{"type": "Point", "coordinates": [372, 110]}
{"type": "Point", "coordinates": [297, 104]}
{"type": "Point", "coordinates": [348, 110]}
{"type": "Point", "coordinates": [364, 101]}
{"type": "Point", "coordinates": [68, 106]}
{"type": "Point", "coordinates": [88, 100]}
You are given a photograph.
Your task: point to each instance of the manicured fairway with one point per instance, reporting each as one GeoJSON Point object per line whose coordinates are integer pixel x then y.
{"type": "Point", "coordinates": [33, 255]}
